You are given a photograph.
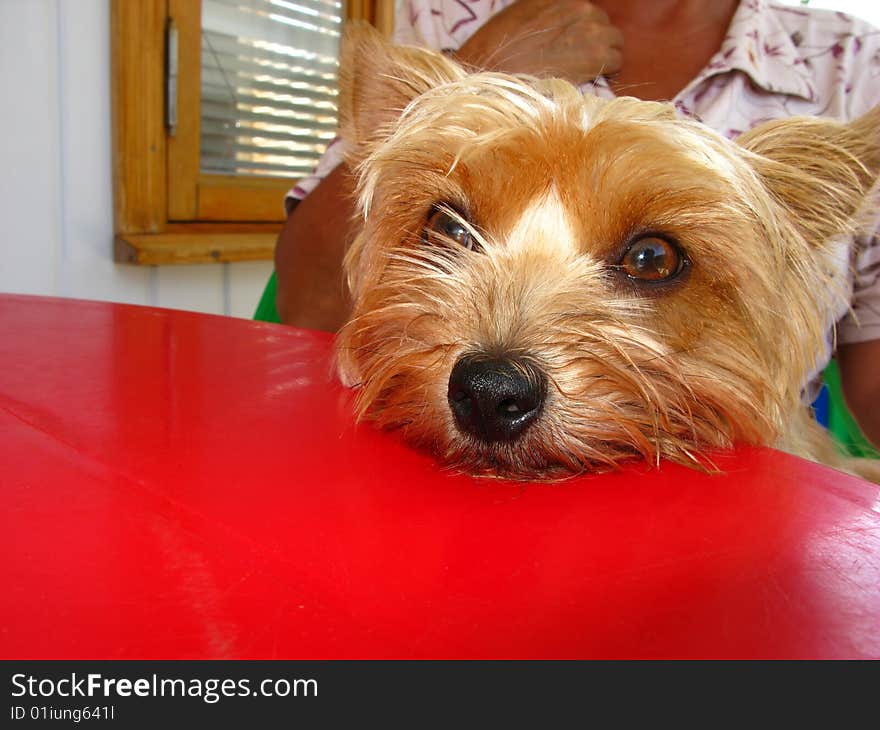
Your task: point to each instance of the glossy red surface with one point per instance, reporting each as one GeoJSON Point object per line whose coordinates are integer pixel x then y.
{"type": "Point", "coordinates": [184, 486]}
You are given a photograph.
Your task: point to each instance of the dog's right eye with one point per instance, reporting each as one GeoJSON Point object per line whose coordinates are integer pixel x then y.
{"type": "Point", "coordinates": [653, 259]}
{"type": "Point", "coordinates": [443, 224]}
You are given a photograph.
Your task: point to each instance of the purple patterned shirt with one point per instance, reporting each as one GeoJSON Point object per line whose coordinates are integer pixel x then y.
{"type": "Point", "coordinates": [775, 62]}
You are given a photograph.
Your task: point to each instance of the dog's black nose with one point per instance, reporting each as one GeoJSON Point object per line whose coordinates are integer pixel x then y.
{"type": "Point", "coordinates": [494, 400]}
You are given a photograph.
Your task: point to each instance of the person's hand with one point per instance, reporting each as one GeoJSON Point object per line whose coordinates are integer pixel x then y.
{"type": "Point", "coordinates": [570, 39]}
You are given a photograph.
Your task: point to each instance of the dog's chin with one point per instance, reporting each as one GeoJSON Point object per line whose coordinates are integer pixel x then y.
{"type": "Point", "coordinates": [465, 454]}
{"type": "Point", "coordinates": [535, 456]}
{"type": "Point", "coordinates": [522, 462]}
{"type": "Point", "coordinates": [527, 458]}
{"type": "Point", "coordinates": [536, 463]}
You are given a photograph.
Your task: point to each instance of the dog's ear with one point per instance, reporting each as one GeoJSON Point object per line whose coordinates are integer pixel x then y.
{"type": "Point", "coordinates": [819, 170]}
{"type": "Point", "coordinates": [378, 79]}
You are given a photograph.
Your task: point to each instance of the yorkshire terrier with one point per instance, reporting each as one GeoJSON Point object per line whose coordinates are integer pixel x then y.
{"type": "Point", "coordinates": [545, 282]}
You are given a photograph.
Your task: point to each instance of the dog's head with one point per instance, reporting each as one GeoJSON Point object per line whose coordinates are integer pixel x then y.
{"type": "Point", "coordinates": [545, 279]}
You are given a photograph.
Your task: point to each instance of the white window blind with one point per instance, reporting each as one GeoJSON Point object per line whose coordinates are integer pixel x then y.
{"type": "Point", "coordinates": [269, 84]}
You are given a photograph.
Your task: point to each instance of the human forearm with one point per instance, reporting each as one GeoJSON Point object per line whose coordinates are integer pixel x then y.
{"type": "Point", "coordinates": [309, 253]}
{"type": "Point", "coordinates": [860, 380]}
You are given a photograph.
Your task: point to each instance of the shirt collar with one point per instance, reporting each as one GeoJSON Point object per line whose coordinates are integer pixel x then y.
{"type": "Point", "coordinates": [760, 46]}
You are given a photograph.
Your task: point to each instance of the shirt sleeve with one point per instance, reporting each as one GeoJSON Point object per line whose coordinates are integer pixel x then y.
{"type": "Point", "coordinates": [442, 24]}
{"type": "Point", "coordinates": [863, 321]}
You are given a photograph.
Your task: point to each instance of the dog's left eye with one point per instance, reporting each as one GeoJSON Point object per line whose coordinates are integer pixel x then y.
{"type": "Point", "coordinates": [652, 258]}
{"type": "Point", "coordinates": [443, 224]}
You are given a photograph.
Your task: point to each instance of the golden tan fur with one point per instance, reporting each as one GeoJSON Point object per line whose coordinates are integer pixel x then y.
{"type": "Point", "coordinates": [718, 357]}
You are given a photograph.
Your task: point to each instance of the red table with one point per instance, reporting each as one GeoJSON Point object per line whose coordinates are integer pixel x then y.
{"type": "Point", "coordinates": [177, 485]}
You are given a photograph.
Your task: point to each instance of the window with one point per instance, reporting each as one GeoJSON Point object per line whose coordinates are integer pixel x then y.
{"type": "Point", "coordinates": [219, 106]}
{"type": "Point", "coordinates": [268, 85]}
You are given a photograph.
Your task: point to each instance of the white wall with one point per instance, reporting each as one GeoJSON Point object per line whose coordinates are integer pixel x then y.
{"type": "Point", "coordinates": [56, 199]}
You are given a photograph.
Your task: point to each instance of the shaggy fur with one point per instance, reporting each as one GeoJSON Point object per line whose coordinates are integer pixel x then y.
{"type": "Point", "coordinates": [552, 185]}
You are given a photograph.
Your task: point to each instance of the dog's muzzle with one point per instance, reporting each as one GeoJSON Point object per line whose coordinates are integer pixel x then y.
{"type": "Point", "coordinates": [495, 399]}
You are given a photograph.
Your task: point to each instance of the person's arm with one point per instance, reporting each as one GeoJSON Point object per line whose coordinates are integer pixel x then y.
{"type": "Point", "coordinates": [859, 364]}
{"type": "Point", "coordinates": [309, 253]}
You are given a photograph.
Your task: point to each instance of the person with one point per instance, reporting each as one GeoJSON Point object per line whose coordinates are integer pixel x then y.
{"type": "Point", "coordinates": [730, 64]}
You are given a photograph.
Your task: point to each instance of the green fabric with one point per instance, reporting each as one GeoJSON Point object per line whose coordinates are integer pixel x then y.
{"type": "Point", "coordinates": [841, 424]}
{"type": "Point", "coordinates": [267, 310]}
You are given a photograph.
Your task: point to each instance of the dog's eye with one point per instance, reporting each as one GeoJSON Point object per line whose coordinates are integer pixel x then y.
{"type": "Point", "coordinates": [443, 224]}
{"type": "Point", "coordinates": [652, 258]}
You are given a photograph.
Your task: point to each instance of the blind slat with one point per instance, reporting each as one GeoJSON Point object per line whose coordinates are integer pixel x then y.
{"type": "Point", "coordinates": [229, 166]}
{"type": "Point", "coordinates": [224, 146]}
{"type": "Point", "coordinates": [288, 116]}
{"type": "Point", "coordinates": [258, 52]}
{"type": "Point", "coordinates": [293, 135]}
{"type": "Point", "coordinates": [215, 86]}
{"type": "Point", "coordinates": [271, 77]}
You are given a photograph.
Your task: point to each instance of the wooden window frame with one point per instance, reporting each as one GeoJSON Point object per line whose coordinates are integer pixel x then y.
{"type": "Point", "coordinates": [165, 210]}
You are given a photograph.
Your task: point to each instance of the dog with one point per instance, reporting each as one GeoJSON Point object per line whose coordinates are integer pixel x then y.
{"type": "Point", "coordinates": [547, 283]}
